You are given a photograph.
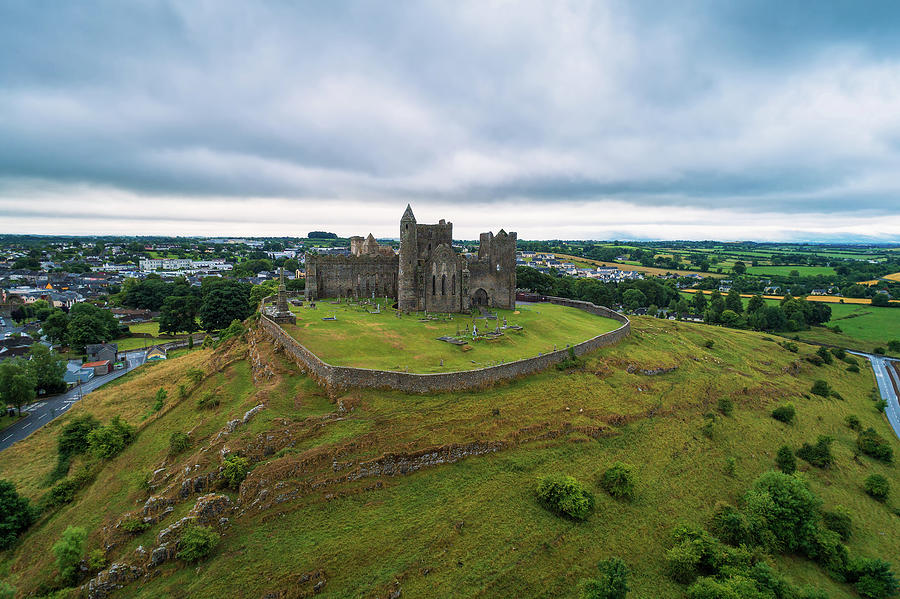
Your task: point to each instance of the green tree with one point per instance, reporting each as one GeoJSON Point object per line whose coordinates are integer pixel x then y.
{"type": "Point", "coordinates": [68, 551]}
{"type": "Point", "coordinates": [698, 302]}
{"type": "Point", "coordinates": [755, 304]}
{"type": "Point", "coordinates": [47, 368]}
{"type": "Point", "coordinates": [612, 583]}
{"type": "Point", "coordinates": [565, 496]}
{"type": "Point", "coordinates": [618, 481]}
{"type": "Point", "coordinates": [733, 301]}
{"type": "Point", "coordinates": [179, 313]}
{"type": "Point", "coordinates": [56, 326]}
{"type": "Point", "coordinates": [17, 384]}
{"type": "Point", "coordinates": [223, 303]}
{"type": "Point", "coordinates": [739, 268]}
{"type": "Point", "coordinates": [196, 543]}
{"type": "Point", "coordinates": [90, 324]}
{"type": "Point", "coordinates": [882, 300]}
{"type": "Point", "coordinates": [781, 508]}
{"type": "Point", "coordinates": [235, 470]}
{"type": "Point", "coordinates": [877, 486]}
{"type": "Point", "coordinates": [785, 460]}
{"type": "Point", "coordinates": [633, 299]}
{"type": "Point", "coordinates": [16, 514]}
{"type": "Point", "coordinates": [873, 578]}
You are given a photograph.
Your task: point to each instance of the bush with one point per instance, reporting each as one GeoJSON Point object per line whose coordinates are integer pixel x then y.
{"type": "Point", "coordinates": [195, 375]}
{"type": "Point", "coordinates": [726, 406]}
{"type": "Point", "coordinates": [839, 521]}
{"type": "Point", "coordinates": [16, 514]}
{"type": "Point", "coordinates": [826, 549]}
{"type": "Point", "coordinates": [565, 496]}
{"type": "Point", "coordinates": [235, 470]}
{"type": "Point", "coordinates": [612, 584]}
{"type": "Point", "coordinates": [135, 525]}
{"type": "Point", "coordinates": [178, 442]}
{"type": "Point", "coordinates": [730, 525]}
{"type": "Point", "coordinates": [877, 487]}
{"type": "Point", "coordinates": [878, 350]}
{"type": "Point", "coordinates": [790, 346]}
{"type": "Point", "coordinates": [874, 445]}
{"type": "Point", "coordinates": [821, 387]}
{"type": "Point", "coordinates": [815, 360]}
{"type": "Point", "coordinates": [62, 493]}
{"type": "Point", "coordinates": [7, 591]}
{"type": "Point", "coordinates": [97, 560]}
{"type": "Point", "coordinates": [67, 551]}
{"type": "Point", "coordinates": [881, 405]}
{"type": "Point", "coordinates": [853, 368]}
{"type": "Point", "coordinates": [161, 395]}
{"type": "Point", "coordinates": [818, 454]}
{"type": "Point", "coordinates": [839, 353]}
{"type": "Point", "coordinates": [709, 343]}
{"type": "Point", "coordinates": [695, 552]}
{"type": "Point", "coordinates": [782, 510]}
{"type": "Point", "coordinates": [784, 413]}
{"type": "Point", "coordinates": [826, 356]}
{"type": "Point", "coordinates": [208, 400]}
{"type": "Point", "coordinates": [785, 460]}
{"type": "Point", "coordinates": [108, 441]}
{"type": "Point", "coordinates": [730, 465]}
{"type": "Point", "coordinates": [72, 441]}
{"type": "Point", "coordinates": [571, 361]}
{"type": "Point", "coordinates": [850, 360]}
{"type": "Point", "coordinates": [852, 422]}
{"type": "Point", "coordinates": [618, 481]}
{"type": "Point", "coordinates": [196, 543]}
{"type": "Point", "coordinates": [873, 578]}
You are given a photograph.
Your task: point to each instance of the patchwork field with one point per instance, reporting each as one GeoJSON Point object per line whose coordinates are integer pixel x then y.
{"type": "Point", "coordinates": [359, 338]}
{"type": "Point", "coordinates": [783, 271]}
{"type": "Point", "coordinates": [470, 528]}
{"type": "Point", "coordinates": [647, 270]}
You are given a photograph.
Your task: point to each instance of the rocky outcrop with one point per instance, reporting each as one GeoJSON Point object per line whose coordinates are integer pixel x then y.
{"type": "Point", "coordinates": [112, 579]}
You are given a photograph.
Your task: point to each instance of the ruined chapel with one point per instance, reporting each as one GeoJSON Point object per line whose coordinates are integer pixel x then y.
{"type": "Point", "coordinates": [427, 274]}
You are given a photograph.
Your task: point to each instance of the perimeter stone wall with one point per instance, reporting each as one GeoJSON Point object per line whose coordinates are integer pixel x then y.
{"type": "Point", "coordinates": [337, 378]}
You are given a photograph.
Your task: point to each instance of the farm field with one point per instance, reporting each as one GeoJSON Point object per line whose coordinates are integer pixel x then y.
{"type": "Point", "coordinates": [783, 271]}
{"type": "Point", "coordinates": [358, 338]}
{"type": "Point", "coordinates": [471, 528]}
{"type": "Point", "coordinates": [643, 269]}
{"type": "Point", "coordinates": [152, 328]}
{"type": "Point", "coordinates": [828, 299]}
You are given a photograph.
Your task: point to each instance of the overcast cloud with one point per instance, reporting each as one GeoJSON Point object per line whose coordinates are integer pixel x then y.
{"type": "Point", "coordinates": [600, 120]}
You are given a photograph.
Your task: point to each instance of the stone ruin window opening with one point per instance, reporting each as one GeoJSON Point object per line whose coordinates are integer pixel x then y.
{"type": "Point", "coordinates": [433, 284]}
{"type": "Point", "coordinates": [453, 285]}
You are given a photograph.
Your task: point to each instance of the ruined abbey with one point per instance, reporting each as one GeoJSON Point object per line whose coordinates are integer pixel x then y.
{"type": "Point", "coordinates": [427, 274]}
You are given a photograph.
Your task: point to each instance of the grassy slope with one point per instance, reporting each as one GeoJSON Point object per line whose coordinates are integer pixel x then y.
{"type": "Point", "coordinates": [360, 339]}
{"type": "Point", "coordinates": [474, 525]}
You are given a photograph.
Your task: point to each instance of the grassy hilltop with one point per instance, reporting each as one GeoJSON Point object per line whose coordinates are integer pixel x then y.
{"type": "Point", "coordinates": [372, 492]}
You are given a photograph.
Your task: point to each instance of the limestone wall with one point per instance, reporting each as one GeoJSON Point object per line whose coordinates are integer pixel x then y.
{"type": "Point", "coordinates": [336, 378]}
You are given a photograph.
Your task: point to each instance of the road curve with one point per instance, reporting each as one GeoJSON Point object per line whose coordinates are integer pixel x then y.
{"type": "Point", "coordinates": [883, 375]}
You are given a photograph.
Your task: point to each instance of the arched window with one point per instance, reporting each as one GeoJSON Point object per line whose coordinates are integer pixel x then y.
{"type": "Point", "coordinates": [443, 284]}
{"type": "Point", "coordinates": [433, 282]}
{"type": "Point", "coordinates": [453, 285]}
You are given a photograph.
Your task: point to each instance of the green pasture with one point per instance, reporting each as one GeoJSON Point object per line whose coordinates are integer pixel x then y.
{"type": "Point", "coordinates": [784, 271]}
{"type": "Point", "coordinates": [384, 341]}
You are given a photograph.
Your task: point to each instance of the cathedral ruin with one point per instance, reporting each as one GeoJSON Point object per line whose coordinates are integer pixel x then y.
{"type": "Point", "coordinates": [427, 274]}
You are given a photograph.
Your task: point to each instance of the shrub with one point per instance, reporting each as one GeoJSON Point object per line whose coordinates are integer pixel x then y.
{"type": "Point", "coordinates": [852, 421]}
{"type": "Point", "coordinates": [195, 375]}
{"type": "Point", "coordinates": [62, 493]}
{"type": "Point", "coordinates": [839, 521]}
{"type": "Point", "coordinates": [709, 343]}
{"type": "Point", "coordinates": [881, 405]}
{"type": "Point", "coordinates": [818, 454]}
{"type": "Point", "coordinates": [726, 406]}
{"type": "Point", "coordinates": [196, 543]}
{"type": "Point", "coordinates": [785, 460]}
{"type": "Point", "coordinates": [784, 413]}
{"type": "Point", "coordinates": [730, 525]}
{"type": "Point", "coordinates": [67, 551]}
{"type": "Point", "coordinates": [877, 487]}
{"type": "Point", "coordinates": [826, 549]}
{"type": "Point", "coordinates": [790, 346]}
{"type": "Point", "coordinates": [612, 584]}
{"type": "Point", "coordinates": [565, 496]}
{"type": "Point", "coordinates": [873, 578]}
{"type": "Point", "coordinates": [853, 368]}
{"type": "Point", "coordinates": [618, 481]}
{"type": "Point", "coordinates": [826, 356]}
{"type": "Point", "coordinates": [235, 329]}
{"type": "Point", "coordinates": [7, 591]}
{"type": "Point", "coordinates": [695, 552]}
{"type": "Point", "coordinates": [782, 510]}
{"type": "Point", "coordinates": [815, 360]}
{"type": "Point", "coordinates": [571, 361]}
{"type": "Point", "coordinates": [16, 514]}
{"type": "Point", "coordinates": [850, 360]}
{"type": "Point", "coordinates": [208, 400]}
{"type": "Point", "coordinates": [97, 560]}
{"type": "Point", "coordinates": [730, 465]}
{"type": "Point", "coordinates": [109, 440]}
{"type": "Point", "coordinates": [182, 391]}
{"type": "Point", "coordinates": [235, 470]}
{"type": "Point", "coordinates": [161, 395]}
{"type": "Point", "coordinates": [708, 426]}
{"type": "Point", "coordinates": [73, 438]}
{"type": "Point", "coordinates": [839, 353]}
{"type": "Point", "coordinates": [178, 442]}
{"type": "Point", "coordinates": [821, 387]}
{"type": "Point", "coordinates": [135, 525]}
{"type": "Point", "coordinates": [874, 445]}
{"type": "Point", "coordinates": [878, 350]}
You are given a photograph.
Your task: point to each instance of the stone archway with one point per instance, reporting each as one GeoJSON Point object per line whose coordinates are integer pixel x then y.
{"type": "Point", "coordinates": [480, 297]}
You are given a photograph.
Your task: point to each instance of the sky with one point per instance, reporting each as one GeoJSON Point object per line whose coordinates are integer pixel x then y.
{"type": "Point", "coordinates": [630, 119]}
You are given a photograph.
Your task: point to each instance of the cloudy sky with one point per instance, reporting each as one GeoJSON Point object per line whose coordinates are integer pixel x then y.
{"type": "Point", "coordinates": [632, 119]}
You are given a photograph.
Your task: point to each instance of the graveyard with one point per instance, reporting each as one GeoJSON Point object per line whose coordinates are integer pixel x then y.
{"type": "Point", "coordinates": [371, 334]}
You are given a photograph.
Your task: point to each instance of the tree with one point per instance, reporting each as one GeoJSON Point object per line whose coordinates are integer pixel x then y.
{"type": "Point", "coordinates": [733, 301]}
{"type": "Point", "coordinates": [565, 496]}
{"type": "Point", "coordinates": [878, 487]}
{"type": "Point", "coordinates": [47, 368]}
{"type": "Point", "coordinates": [16, 514]}
{"type": "Point", "coordinates": [881, 299]}
{"type": "Point", "coordinates": [785, 460]}
{"type": "Point", "coordinates": [633, 299]}
{"type": "Point", "coordinates": [612, 584]}
{"type": "Point", "coordinates": [873, 577]}
{"type": "Point", "coordinates": [618, 481]}
{"type": "Point", "coordinates": [196, 542]}
{"type": "Point", "coordinates": [90, 324]}
{"type": "Point", "coordinates": [109, 440]}
{"type": "Point", "coordinates": [781, 508]}
{"type": "Point", "coordinates": [16, 383]}
{"type": "Point", "coordinates": [223, 303]}
{"type": "Point", "coordinates": [235, 470]}
{"type": "Point", "coordinates": [56, 326]}
{"type": "Point", "coordinates": [739, 268]}
{"type": "Point", "coordinates": [755, 304]}
{"type": "Point", "coordinates": [698, 302]}
{"type": "Point", "coordinates": [179, 313]}
{"type": "Point", "coordinates": [68, 551]}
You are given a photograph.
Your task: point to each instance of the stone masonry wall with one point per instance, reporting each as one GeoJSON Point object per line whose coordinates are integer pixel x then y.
{"type": "Point", "coordinates": [336, 378]}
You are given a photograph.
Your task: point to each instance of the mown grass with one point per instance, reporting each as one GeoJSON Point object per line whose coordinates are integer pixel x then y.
{"type": "Point", "coordinates": [473, 528]}
{"type": "Point", "coordinates": [358, 338]}
{"type": "Point", "coordinates": [784, 271]}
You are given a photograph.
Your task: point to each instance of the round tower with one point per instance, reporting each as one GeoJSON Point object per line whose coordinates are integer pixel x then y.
{"type": "Point", "coordinates": [406, 279]}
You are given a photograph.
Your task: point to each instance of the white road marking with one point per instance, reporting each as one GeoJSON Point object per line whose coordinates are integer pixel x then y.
{"type": "Point", "coordinates": [7, 437]}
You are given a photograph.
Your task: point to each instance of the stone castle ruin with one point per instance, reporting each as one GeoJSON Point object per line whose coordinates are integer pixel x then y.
{"type": "Point", "coordinates": [427, 274]}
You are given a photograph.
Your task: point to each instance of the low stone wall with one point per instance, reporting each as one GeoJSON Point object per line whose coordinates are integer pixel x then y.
{"type": "Point", "coordinates": [336, 378]}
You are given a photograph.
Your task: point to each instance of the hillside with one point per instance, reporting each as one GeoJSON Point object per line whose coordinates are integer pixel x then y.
{"type": "Point", "coordinates": [370, 493]}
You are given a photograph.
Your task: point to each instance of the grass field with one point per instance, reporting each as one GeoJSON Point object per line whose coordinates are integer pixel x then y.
{"type": "Point", "coordinates": [643, 269]}
{"type": "Point", "coordinates": [358, 338]}
{"type": "Point", "coordinates": [828, 299]}
{"type": "Point", "coordinates": [152, 328]}
{"type": "Point", "coordinates": [784, 271]}
{"type": "Point", "coordinates": [470, 528]}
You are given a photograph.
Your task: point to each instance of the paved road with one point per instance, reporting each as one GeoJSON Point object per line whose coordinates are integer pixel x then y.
{"type": "Point", "coordinates": [42, 412]}
{"type": "Point", "coordinates": [884, 374]}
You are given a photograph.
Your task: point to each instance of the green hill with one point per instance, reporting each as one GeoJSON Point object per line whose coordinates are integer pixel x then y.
{"type": "Point", "coordinates": [373, 492]}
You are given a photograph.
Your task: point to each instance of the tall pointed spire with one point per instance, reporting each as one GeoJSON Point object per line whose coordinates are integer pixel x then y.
{"type": "Point", "coordinates": [408, 215]}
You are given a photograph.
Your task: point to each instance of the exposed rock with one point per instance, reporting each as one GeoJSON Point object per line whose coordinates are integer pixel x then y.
{"type": "Point", "coordinates": [252, 412]}
{"type": "Point", "coordinates": [107, 581]}
{"type": "Point", "coordinates": [173, 531]}
{"type": "Point", "coordinates": [159, 555]}
{"type": "Point", "coordinates": [209, 509]}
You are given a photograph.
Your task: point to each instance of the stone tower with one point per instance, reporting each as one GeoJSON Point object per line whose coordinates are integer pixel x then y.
{"type": "Point", "coordinates": [407, 288]}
